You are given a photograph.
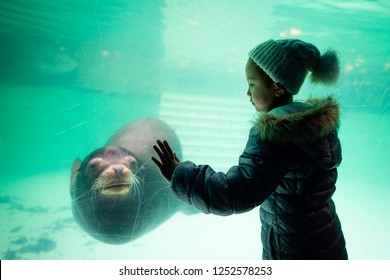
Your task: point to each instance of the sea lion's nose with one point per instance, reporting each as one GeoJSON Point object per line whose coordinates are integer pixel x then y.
{"type": "Point", "coordinates": [118, 170]}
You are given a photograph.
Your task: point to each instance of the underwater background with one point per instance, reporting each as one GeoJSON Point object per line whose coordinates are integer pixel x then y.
{"type": "Point", "coordinates": [73, 72]}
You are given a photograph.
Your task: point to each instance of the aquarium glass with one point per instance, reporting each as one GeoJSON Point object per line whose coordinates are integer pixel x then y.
{"type": "Point", "coordinates": [74, 71]}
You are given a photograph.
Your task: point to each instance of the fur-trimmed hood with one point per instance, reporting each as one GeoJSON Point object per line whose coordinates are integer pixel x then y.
{"type": "Point", "coordinates": [299, 123]}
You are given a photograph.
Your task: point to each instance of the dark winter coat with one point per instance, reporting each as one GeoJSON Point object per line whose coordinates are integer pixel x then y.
{"type": "Point", "coordinates": [289, 168]}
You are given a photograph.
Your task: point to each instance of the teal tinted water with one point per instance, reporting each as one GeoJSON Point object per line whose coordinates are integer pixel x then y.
{"type": "Point", "coordinates": [74, 73]}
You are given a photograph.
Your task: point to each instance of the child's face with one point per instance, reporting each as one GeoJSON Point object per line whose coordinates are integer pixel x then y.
{"type": "Point", "coordinates": [262, 96]}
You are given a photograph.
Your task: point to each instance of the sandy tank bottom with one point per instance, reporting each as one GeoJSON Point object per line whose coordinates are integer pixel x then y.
{"type": "Point", "coordinates": [37, 223]}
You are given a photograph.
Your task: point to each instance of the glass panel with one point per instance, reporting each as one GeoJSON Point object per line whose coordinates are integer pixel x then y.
{"type": "Point", "coordinates": [74, 72]}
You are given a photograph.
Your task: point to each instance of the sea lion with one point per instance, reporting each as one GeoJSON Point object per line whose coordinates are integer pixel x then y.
{"type": "Point", "coordinates": [117, 193]}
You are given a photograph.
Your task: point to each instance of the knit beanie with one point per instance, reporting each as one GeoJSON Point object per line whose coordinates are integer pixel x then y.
{"type": "Point", "coordinates": [288, 61]}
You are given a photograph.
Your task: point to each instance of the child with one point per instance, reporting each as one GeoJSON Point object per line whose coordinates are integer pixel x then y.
{"type": "Point", "coordinates": [289, 165]}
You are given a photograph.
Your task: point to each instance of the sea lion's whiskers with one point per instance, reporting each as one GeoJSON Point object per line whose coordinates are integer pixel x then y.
{"type": "Point", "coordinates": [139, 193]}
{"type": "Point", "coordinates": [137, 216]}
{"type": "Point", "coordinates": [155, 193]}
{"type": "Point", "coordinates": [84, 196]}
{"type": "Point", "coordinates": [96, 185]}
{"type": "Point", "coordinates": [135, 183]}
{"type": "Point", "coordinates": [140, 168]}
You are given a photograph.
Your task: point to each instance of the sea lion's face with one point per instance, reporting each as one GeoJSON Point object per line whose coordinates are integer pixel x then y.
{"type": "Point", "coordinates": [108, 172]}
{"type": "Point", "coordinates": [105, 193]}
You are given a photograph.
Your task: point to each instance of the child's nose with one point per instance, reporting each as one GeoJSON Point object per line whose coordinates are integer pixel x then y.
{"type": "Point", "coordinates": [248, 93]}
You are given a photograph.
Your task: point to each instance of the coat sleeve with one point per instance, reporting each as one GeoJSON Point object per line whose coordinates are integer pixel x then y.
{"type": "Point", "coordinates": [260, 169]}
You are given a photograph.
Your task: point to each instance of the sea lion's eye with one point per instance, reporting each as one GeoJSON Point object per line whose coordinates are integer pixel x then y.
{"type": "Point", "coordinates": [94, 164]}
{"type": "Point", "coordinates": [132, 162]}
{"type": "Point", "coordinates": [134, 165]}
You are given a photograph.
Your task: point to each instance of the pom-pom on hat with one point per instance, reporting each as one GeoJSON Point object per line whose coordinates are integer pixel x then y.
{"type": "Point", "coordinates": [288, 61]}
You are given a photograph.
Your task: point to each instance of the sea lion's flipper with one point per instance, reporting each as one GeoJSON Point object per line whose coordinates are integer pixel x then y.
{"type": "Point", "coordinates": [75, 168]}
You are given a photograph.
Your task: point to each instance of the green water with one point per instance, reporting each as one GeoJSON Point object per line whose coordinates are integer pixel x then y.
{"type": "Point", "coordinates": [74, 72]}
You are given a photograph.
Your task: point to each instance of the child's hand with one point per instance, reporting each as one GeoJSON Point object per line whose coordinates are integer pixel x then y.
{"type": "Point", "coordinates": [168, 158]}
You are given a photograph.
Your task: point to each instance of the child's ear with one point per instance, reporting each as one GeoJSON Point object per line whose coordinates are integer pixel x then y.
{"type": "Point", "coordinates": [279, 91]}
{"type": "Point", "coordinates": [75, 171]}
